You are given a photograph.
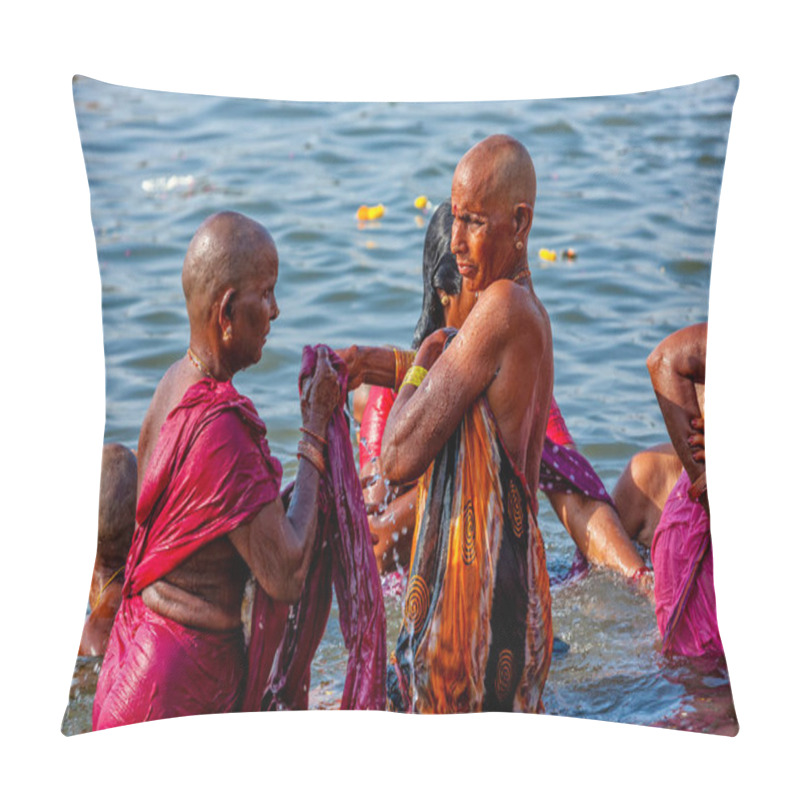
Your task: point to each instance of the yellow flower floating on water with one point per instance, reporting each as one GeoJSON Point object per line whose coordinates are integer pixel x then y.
{"type": "Point", "coordinates": [368, 213]}
{"type": "Point", "coordinates": [422, 203]}
{"type": "Point", "coordinates": [547, 255]}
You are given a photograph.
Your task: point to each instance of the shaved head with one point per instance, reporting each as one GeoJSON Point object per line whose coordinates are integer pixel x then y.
{"type": "Point", "coordinates": [493, 193]}
{"type": "Point", "coordinates": [226, 249]}
{"type": "Point", "coordinates": [501, 170]}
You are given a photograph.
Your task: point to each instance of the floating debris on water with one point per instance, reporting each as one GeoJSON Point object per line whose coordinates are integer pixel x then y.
{"type": "Point", "coordinates": [170, 184]}
{"type": "Point", "coordinates": [546, 254]}
{"type": "Point", "coordinates": [422, 203]}
{"type": "Point", "coordinates": [369, 213]}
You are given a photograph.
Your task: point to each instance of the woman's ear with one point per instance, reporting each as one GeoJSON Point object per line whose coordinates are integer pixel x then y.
{"type": "Point", "coordinates": [523, 218]}
{"type": "Point", "coordinates": [226, 312]}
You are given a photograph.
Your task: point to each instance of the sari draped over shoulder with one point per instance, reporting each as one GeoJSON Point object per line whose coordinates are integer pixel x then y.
{"type": "Point", "coordinates": [211, 471]}
{"type": "Point", "coordinates": [477, 631]}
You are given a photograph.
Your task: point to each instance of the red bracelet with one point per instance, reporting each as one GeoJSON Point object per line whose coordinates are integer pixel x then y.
{"type": "Point", "coordinates": [639, 574]}
{"type": "Point", "coordinates": [698, 488]}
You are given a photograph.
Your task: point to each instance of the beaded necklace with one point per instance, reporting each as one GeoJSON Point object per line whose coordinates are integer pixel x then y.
{"type": "Point", "coordinates": [199, 364]}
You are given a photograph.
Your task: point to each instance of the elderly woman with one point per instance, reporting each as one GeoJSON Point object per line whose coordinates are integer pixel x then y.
{"type": "Point", "coordinates": [209, 508]}
{"type": "Point", "coordinates": [573, 488]}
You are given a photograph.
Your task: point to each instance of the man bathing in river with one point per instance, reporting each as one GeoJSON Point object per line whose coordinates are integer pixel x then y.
{"type": "Point", "coordinates": [470, 419]}
{"type": "Point", "coordinates": [209, 508]}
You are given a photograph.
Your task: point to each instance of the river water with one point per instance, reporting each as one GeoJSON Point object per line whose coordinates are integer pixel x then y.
{"type": "Point", "coordinates": [630, 183]}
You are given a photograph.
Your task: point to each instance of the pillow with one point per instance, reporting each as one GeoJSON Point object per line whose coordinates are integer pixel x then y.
{"type": "Point", "coordinates": [620, 254]}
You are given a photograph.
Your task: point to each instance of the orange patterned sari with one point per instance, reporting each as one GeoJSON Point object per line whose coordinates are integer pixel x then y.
{"type": "Point", "coordinates": [477, 633]}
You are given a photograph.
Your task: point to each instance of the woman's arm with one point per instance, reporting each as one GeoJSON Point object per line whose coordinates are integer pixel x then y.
{"type": "Point", "coordinates": [277, 545]}
{"type": "Point", "coordinates": [379, 366]}
{"type": "Point", "coordinates": [393, 531]}
{"type": "Point", "coordinates": [675, 366]}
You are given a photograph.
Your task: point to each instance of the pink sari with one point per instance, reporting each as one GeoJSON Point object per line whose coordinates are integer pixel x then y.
{"type": "Point", "coordinates": [683, 572]}
{"type": "Point", "coordinates": [211, 471]}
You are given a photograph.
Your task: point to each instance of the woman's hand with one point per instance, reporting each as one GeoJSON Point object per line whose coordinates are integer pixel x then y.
{"type": "Point", "coordinates": [432, 347]}
{"type": "Point", "coordinates": [697, 441]}
{"type": "Point", "coordinates": [355, 367]}
{"type": "Point", "coordinates": [321, 394]}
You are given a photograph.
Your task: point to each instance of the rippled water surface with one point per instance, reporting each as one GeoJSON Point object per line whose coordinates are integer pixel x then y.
{"type": "Point", "coordinates": [630, 183]}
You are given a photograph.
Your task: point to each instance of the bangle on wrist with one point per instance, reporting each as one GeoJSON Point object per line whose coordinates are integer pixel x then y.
{"type": "Point", "coordinates": [414, 376]}
{"type": "Point", "coordinates": [314, 436]}
{"type": "Point", "coordinates": [639, 574]}
{"type": "Point", "coordinates": [403, 361]}
{"type": "Point", "coordinates": [312, 455]}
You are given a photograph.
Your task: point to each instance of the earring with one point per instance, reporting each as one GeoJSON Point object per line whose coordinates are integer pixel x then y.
{"type": "Point", "coordinates": [226, 335]}
{"type": "Point", "coordinates": [445, 300]}
{"type": "Point", "coordinates": [519, 245]}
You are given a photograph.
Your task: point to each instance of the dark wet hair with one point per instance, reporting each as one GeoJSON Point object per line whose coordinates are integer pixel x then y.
{"type": "Point", "coordinates": [439, 271]}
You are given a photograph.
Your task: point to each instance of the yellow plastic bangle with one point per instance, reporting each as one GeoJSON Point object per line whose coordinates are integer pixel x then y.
{"type": "Point", "coordinates": [414, 376]}
{"type": "Point", "coordinates": [403, 361]}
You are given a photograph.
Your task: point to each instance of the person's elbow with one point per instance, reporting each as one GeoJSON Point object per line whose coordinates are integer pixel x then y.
{"type": "Point", "coordinates": [398, 469]}
{"type": "Point", "coordinates": [290, 589]}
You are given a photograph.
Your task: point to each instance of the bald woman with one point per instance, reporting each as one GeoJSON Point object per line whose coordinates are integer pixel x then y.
{"type": "Point", "coordinates": [209, 511]}
{"type": "Point", "coordinates": [469, 422]}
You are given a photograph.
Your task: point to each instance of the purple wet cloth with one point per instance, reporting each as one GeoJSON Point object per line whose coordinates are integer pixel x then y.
{"type": "Point", "coordinates": [280, 655]}
{"type": "Point", "coordinates": [566, 470]}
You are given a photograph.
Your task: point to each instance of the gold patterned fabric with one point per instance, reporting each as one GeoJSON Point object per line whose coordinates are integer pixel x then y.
{"type": "Point", "coordinates": [477, 632]}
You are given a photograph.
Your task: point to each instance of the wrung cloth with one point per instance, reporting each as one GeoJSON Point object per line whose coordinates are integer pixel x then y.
{"type": "Point", "coordinates": [280, 659]}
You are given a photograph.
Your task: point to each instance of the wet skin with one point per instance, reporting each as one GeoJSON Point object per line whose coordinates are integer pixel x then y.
{"type": "Point", "coordinates": [677, 369]}
{"type": "Point", "coordinates": [504, 348]}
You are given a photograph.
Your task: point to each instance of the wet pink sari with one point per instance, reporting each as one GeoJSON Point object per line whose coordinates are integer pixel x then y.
{"type": "Point", "coordinates": [210, 472]}
{"type": "Point", "coordinates": [683, 571]}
